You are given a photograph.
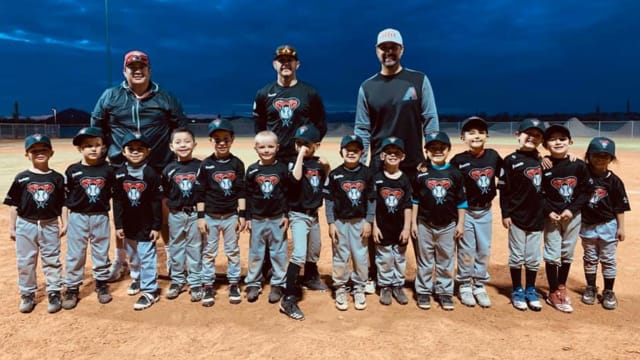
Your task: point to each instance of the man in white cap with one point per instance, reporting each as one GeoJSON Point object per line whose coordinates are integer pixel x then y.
{"type": "Point", "coordinates": [394, 102]}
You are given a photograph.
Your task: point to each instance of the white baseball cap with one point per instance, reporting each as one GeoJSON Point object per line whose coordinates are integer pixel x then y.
{"type": "Point", "coordinates": [389, 35]}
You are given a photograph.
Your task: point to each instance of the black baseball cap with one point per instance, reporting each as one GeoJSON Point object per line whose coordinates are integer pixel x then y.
{"type": "Point", "coordinates": [307, 133]}
{"type": "Point", "coordinates": [473, 122]}
{"type": "Point", "coordinates": [437, 136]}
{"type": "Point", "coordinates": [392, 141]}
{"type": "Point", "coordinates": [135, 136]}
{"type": "Point", "coordinates": [531, 123]}
{"type": "Point", "coordinates": [602, 144]}
{"type": "Point", "coordinates": [85, 133]}
{"type": "Point", "coordinates": [220, 124]}
{"type": "Point", "coordinates": [348, 139]}
{"type": "Point", "coordinates": [34, 139]}
{"type": "Point", "coordinates": [556, 128]}
{"type": "Point", "coordinates": [286, 50]}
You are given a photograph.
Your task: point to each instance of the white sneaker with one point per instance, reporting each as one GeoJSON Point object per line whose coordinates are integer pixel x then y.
{"type": "Point", "coordinates": [481, 296]}
{"type": "Point", "coordinates": [359, 300]}
{"type": "Point", "coordinates": [466, 295]}
{"type": "Point", "coordinates": [341, 299]}
{"type": "Point", "coordinates": [370, 287]}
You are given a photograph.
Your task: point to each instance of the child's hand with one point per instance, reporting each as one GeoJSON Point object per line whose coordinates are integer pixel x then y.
{"type": "Point", "coordinates": [154, 235]}
{"type": "Point", "coordinates": [377, 235]}
{"type": "Point", "coordinates": [620, 234]}
{"type": "Point", "coordinates": [333, 234]}
{"type": "Point", "coordinates": [459, 232]}
{"type": "Point", "coordinates": [247, 226]}
{"type": "Point", "coordinates": [12, 232]}
{"type": "Point", "coordinates": [404, 236]}
{"type": "Point", "coordinates": [203, 227]}
{"type": "Point", "coordinates": [554, 217]}
{"type": "Point", "coordinates": [506, 222]}
{"type": "Point", "coordinates": [63, 230]}
{"type": "Point", "coordinates": [303, 150]}
{"type": "Point", "coordinates": [120, 234]}
{"type": "Point", "coordinates": [572, 157]}
{"type": "Point", "coordinates": [566, 215]}
{"type": "Point", "coordinates": [365, 231]}
{"type": "Point", "coordinates": [241, 225]}
{"type": "Point", "coordinates": [414, 230]}
{"type": "Point", "coordinates": [284, 223]}
{"type": "Point", "coordinates": [546, 163]}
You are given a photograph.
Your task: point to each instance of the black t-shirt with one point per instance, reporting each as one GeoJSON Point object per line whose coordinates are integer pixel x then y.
{"type": "Point", "coordinates": [179, 182]}
{"type": "Point", "coordinates": [393, 196]}
{"type": "Point", "coordinates": [37, 196]}
{"type": "Point", "coordinates": [480, 174]}
{"type": "Point", "coordinates": [89, 188]}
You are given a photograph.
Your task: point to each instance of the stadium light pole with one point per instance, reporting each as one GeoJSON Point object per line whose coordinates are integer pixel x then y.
{"type": "Point", "coordinates": [108, 41]}
{"type": "Point", "coordinates": [55, 116]}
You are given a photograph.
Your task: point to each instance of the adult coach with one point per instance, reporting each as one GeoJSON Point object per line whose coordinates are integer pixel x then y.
{"type": "Point", "coordinates": [137, 105]}
{"type": "Point", "coordinates": [395, 102]}
{"type": "Point", "coordinates": [283, 106]}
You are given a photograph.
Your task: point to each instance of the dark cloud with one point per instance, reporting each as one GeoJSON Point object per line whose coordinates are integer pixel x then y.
{"type": "Point", "coordinates": [492, 56]}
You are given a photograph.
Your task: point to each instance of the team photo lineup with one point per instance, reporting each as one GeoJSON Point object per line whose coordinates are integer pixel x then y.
{"type": "Point", "coordinates": [398, 185]}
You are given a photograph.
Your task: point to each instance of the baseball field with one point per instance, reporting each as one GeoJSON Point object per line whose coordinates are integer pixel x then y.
{"type": "Point", "coordinates": [179, 329]}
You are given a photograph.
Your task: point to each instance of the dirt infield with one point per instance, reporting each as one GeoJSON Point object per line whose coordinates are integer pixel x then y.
{"type": "Point", "coordinates": [180, 329]}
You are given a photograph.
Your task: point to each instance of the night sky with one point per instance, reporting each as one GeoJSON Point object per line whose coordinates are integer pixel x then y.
{"type": "Point", "coordinates": [481, 56]}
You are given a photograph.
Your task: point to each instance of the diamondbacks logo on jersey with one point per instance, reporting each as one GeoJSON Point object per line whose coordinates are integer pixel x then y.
{"type": "Point", "coordinates": [410, 94]}
{"type": "Point", "coordinates": [482, 177]}
{"type": "Point", "coordinates": [225, 179]}
{"type": "Point", "coordinates": [535, 175]}
{"type": "Point", "coordinates": [439, 188]}
{"type": "Point", "coordinates": [185, 183]}
{"type": "Point", "coordinates": [93, 187]}
{"type": "Point", "coordinates": [285, 108]}
{"type": "Point", "coordinates": [313, 176]}
{"type": "Point", "coordinates": [354, 191]}
{"type": "Point", "coordinates": [599, 193]}
{"type": "Point", "coordinates": [391, 198]}
{"type": "Point", "coordinates": [565, 187]}
{"type": "Point", "coordinates": [134, 190]}
{"type": "Point", "coordinates": [267, 183]}
{"type": "Point", "coordinates": [41, 192]}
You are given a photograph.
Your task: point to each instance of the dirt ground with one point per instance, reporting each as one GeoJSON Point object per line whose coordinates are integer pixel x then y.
{"type": "Point", "coordinates": [181, 329]}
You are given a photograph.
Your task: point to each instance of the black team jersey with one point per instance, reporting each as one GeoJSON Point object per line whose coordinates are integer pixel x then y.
{"type": "Point", "coordinates": [179, 183]}
{"type": "Point", "coordinates": [137, 202]}
{"type": "Point", "coordinates": [565, 186]}
{"type": "Point", "coordinates": [521, 195]}
{"type": "Point", "coordinates": [37, 196]}
{"type": "Point", "coordinates": [89, 188]}
{"type": "Point", "coordinates": [607, 199]}
{"type": "Point", "coordinates": [266, 188]}
{"type": "Point", "coordinates": [306, 194]}
{"type": "Point", "coordinates": [220, 184]}
{"type": "Point", "coordinates": [439, 191]}
{"type": "Point", "coordinates": [350, 190]}
{"type": "Point", "coordinates": [393, 196]}
{"type": "Point", "coordinates": [284, 109]}
{"type": "Point", "coordinates": [480, 174]}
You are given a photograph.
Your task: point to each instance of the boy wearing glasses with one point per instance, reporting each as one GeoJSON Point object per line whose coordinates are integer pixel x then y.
{"type": "Point", "coordinates": [221, 209]}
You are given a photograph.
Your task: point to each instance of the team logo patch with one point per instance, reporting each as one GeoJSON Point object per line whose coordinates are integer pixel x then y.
{"type": "Point", "coordinates": [185, 183]}
{"type": "Point", "coordinates": [535, 175]}
{"type": "Point", "coordinates": [410, 94]}
{"type": "Point", "coordinates": [439, 189]}
{"type": "Point", "coordinates": [134, 190]}
{"type": "Point", "coordinates": [267, 183]}
{"type": "Point", "coordinates": [483, 178]}
{"type": "Point", "coordinates": [41, 192]}
{"type": "Point", "coordinates": [565, 187]}
{"type": "Point", "coordinates": [354, 191]}
{"type": "Point", "coordinates": [92, 187]}
{"type": "Point", "coordinates": [391, 198]}
{"type": "Point", "coordinates": [599, 193]}
{"type": "Point", "coordinates": [313, 176]}
{"type": "Point", "coordinates": [225, 179]}
{"type": "Point", "coordinates": [285, 108]}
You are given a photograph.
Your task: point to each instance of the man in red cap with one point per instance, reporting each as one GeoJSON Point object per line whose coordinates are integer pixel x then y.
{"type": "Point", "coordinates": [137, 105]}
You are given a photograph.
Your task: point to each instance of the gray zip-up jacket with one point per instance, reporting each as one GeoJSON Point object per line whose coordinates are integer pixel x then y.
{"type": "Point", "coordinates": [119, 111]}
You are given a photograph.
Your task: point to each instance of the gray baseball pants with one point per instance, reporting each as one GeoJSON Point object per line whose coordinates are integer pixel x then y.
{"type": "Point", "coordinates": [435, 248]}
{"type": "Point", "coordinates": [350, 246]}
{"type": "Point", "coordinates": [267, 231]}
{"type": "Point", "coordinates": [84, 229]}
{"type": "Point", "coordinates": [33, 237]}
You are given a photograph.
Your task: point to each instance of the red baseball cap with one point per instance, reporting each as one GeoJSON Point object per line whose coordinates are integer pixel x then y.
{"type": "Point", "coordinates": [135, 56]}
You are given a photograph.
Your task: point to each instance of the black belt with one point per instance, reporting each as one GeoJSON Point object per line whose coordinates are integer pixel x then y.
{"type": "Point", "coordinates": [260, 217]}
{"type": "Point", "coordinates": [479, 207]}
{"type": "Point", "coordinates": [310, 212]}
{"type": "Point", "coordinates": [186, 209]}
{"type": "Point", "coordinates": [221, 216]}
{"type": "Point", "coordinates": [437, 226]}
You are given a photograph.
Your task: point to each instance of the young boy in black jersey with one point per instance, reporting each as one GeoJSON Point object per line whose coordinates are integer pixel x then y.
{"type": "Point", "coordinates": [602, 222]}
{"type": "Point", "coordinates": [521, 204]}
{"type": "Point", "coordinates": [439, 204]}
{"type": "Point", "coordinates": [267, 219]}
{"type": "Point", "coordinates": [480, 168]}
{"type": "Point", "coordinates": [392, 224]}
{"type": "Point", "coordinates": [36, 198]}
{"type": "Point", "coordinates": [89, 185]}
{"type": "Point", "coordinates": [137, 214]}
{"type": "Point", "coordinates": [566, 190]}
{"type": "Point", "coordinates": [185, 242]}
{"type": "Point", "coordinates": [221, 209]}
{"type": "Point", "coordinates": [350, 209]}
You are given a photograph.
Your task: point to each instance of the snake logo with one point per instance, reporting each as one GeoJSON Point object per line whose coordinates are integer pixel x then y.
{"type": "Point", "coordinates": [41, 192]}
{"type": "Point", "coordinates": [134, 190]}
{"type": "Point", "coordinates": [93, 187]}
